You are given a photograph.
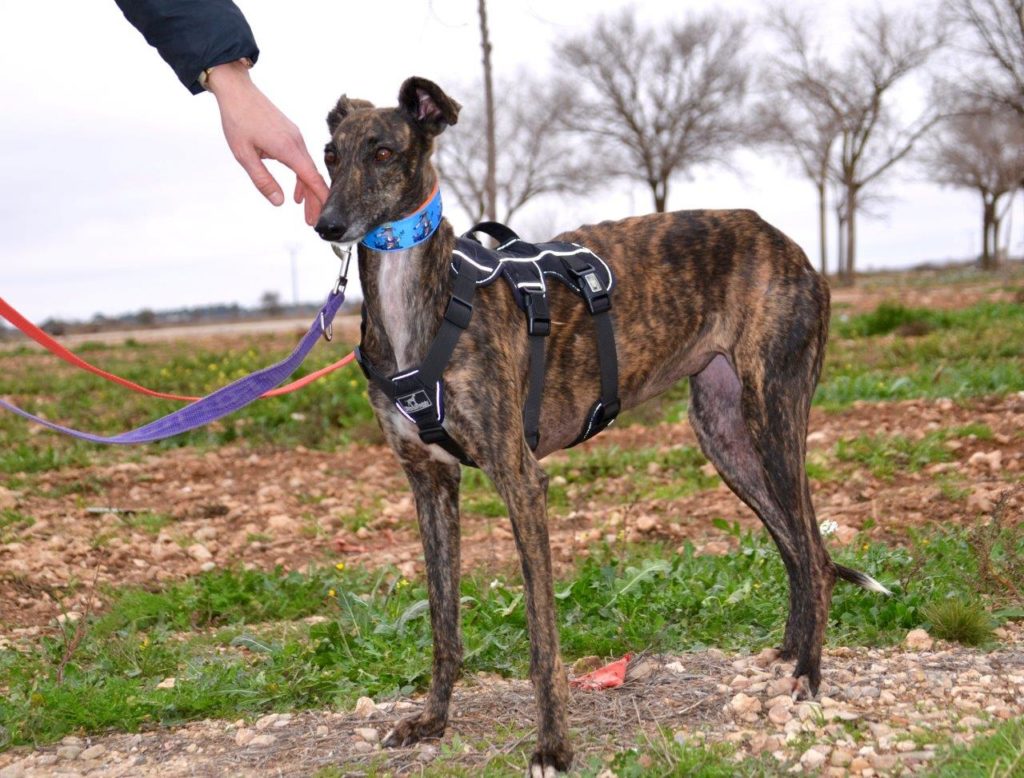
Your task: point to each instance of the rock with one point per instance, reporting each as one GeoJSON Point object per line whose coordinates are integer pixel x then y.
{"type": "Point", "coordinates": [745, 706]}
{"type": "Point", "coordinates": [263, 740]}
{"type": "Point", "coordinates": [244, 736]}
{"type": "Point", "coordinates": [918, 640]}
{"type": "Point", "coordinates": [362, 746]}
{"type": "Point", "coordinates": [167, 683]}
{"type": "Point", "coordinates": [765, 657]}
{"type": "Point", "coordinates": [369, 734]}
{"type": "Point", "coordinates": [199, 552]}
{"type": "Point", "coordinates": [94, 752]}
{"type": "Point", "coordinates": [15, 770]}
{"type": "Point", "coordinates": [858, 765]}
{"type": "Point", "coordinates": [281, 522]}
{"type": "Point", "coordinates": [69, 752]}
{"type": "Point", "coordinates": [675, 667]}
{"type": "Point", "coordinates": [779, 714]}
{"type": "Point", "coordinates": [365, 708]}
{"type": "Point", "coordinates": [646, 523]}
{"type": "Point", "coordinates": [716, 548]}
{"type": "Point", "coordinates": [739, 682]}
{"type": "Point", "coordinates": [322, 731]}
{"type": "Point", "coordinates": [813, 758]}
{"type": "Point", "coordinates": [264, 722]}
{"type": "Point", "coordinates": [841, 757]}
{"type": "Point", "coordinates": [785, 685]}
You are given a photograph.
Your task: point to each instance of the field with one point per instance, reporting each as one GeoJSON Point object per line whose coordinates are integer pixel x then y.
{"type": "Point", "coordinates": [220, 603]}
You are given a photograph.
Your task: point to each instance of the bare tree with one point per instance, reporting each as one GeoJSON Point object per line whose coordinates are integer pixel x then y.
{"type": "Point", "coordinates": [857, 95]}
{"type": "Point", "coordinates": [534, 156]}
{"type": "Point", "coordinates": [995, 33]}
{"type": "Point", "coordinates": [658, 101]}
{"type": "Point", "coordinates": [794, 118]}
{"type": "Point", "coordinates": [981, 150]}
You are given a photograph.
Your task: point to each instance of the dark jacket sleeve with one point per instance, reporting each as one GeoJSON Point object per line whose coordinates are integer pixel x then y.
{"type": "Point", "coordinates": [192, 35]}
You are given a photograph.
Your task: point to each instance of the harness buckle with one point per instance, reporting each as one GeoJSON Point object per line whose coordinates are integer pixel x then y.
{"type": "Point", "coordinates": [591, 287]}
{"type": "Point", "coordinates": [538, 317]}
{"type": "Point", "coordinates": [416, 401]}
{"type": "Point", "coordinates": [459, 312]}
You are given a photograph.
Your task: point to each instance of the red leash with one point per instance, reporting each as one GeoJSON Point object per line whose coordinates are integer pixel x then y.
{"type": "Point", "coordinates": [44, 340]}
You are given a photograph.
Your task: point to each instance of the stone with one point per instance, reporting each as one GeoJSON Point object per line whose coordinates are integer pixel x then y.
{"type": "Point", "coordinates": [743, 705]}
{"type": "Point", "coordinates": [263, 722]}
{"type": "Point", "coordinates": [858, 765]}
{"type": "Point", "coordinates": [369, 734]}
{"type": "Point", "coordinates": [199, 552]}
{"type": "Point", "coordinates": [365, 707]}
{"type": "Point", "coordinates": [813, 758]}
{"type": "Point", "coordinates": [841, 757]}
{"type": "Point", "coordinates": [167, 683]}
{"type": "Point", "coordinates": [93, 752]}
{"type": "Point", "coordinates": [15, 770]}
{"type": "Point", "coordinates": [69, 752]}
{"type": "Point", "coordinates": [322, 731]}
{"type": "Point", "coordinates": [263, 740]}
{"type": "Point", "coordinates": [646, 523]}
{"type": "Point", "coordinates": [779, 715]}
{"type": "Point", "coordinates": [918, 640]}
{"type": "Point", "coordinates": [785, 685]}
{"type": "Point", "coordinates": [244, 736]}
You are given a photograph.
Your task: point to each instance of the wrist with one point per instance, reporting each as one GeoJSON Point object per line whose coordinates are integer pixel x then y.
{"type": "Point", "coordinates": [224, 77]}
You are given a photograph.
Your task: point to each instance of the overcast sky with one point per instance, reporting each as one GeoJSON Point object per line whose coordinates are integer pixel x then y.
{"type": "Point", "coordinates": [119, 192]}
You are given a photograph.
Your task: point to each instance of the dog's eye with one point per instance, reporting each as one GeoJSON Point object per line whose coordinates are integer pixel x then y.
{"type": "Point", "coordinates": [330, 158]}
{"type": "Point", "coordinates": [383, 154]}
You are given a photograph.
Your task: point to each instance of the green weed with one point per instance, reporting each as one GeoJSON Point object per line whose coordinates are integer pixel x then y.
{"type": "Point", "coordinates": [1000, 755]}
{"type": "Point", "coordinates": [12, 523]}
{"type": "Point", "coordinates": [960, 621]}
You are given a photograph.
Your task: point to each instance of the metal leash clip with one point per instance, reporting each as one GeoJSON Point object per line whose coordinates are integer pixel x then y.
{"type": "Point", "coordinates": [344, 253]}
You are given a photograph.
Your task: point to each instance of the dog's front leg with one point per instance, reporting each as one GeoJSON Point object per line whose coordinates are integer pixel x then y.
{"type": "Point", "coordinates": [523, 485]}
{"type": "Point", "coordinates": [435, 486]}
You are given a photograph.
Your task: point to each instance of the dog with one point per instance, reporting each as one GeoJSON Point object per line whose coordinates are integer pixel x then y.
{"type": "Point", "coordinates": [719, 297]}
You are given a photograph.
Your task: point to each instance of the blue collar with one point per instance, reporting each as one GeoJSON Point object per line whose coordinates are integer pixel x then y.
{"type": "Point", "coordinates": [409, 231]}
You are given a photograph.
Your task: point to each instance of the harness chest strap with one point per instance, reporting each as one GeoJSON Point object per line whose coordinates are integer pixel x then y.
{"type": "Point", "coordinates": [417, 393]}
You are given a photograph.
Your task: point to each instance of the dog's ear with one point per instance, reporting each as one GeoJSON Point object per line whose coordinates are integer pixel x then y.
{"type": "Point", "coordinates": [343, 109]}
{"type": "Point", "coordinates": [427, 106]}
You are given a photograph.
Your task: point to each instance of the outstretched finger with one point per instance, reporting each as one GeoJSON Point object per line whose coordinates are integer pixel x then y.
{"type": "Point", "coordinates": [262, 179]}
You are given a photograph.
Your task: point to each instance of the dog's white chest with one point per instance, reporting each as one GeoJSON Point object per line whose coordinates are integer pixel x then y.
{"type": "Point", "coordinates": [393, 282]}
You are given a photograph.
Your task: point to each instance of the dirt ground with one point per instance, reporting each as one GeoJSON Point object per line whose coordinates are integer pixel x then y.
{"type": "Point", "coordinates": [300, 507]}
{"type": "Point", "coordinates": [293, 508]}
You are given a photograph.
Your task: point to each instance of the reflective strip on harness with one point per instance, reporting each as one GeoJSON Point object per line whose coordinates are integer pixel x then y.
{"type": "Point", "coordinates": [418, 394]}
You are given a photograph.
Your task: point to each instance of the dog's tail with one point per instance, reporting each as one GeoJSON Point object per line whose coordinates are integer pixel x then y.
{"type": "Point", "coordinates": [863, 580]}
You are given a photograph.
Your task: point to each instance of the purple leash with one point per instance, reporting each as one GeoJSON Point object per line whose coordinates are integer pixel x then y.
{"type": "Point", "coordinates": [225, 400]}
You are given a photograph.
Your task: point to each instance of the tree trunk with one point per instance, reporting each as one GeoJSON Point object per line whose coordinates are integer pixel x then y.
{"type": "Point", "coordinates": [987, 218]}
{"type": "Point", "coordinates": [659, 191]}
{"type": "Point", "coordinates": [840, 243]}
{"type": "Point", "coordinates": [490, 185]}
{"type": "Point", "coordinates": [822, 220]}
{"type": "Point", "coordinates": [850, 270]}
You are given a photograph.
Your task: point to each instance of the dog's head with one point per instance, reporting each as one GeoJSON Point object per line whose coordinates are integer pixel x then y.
{"type": "Point", "coordinates": [379, 158]}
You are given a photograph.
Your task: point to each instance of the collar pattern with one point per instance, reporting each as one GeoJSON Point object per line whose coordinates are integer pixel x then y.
{"type": "Point", "coordinates": [409, 231]}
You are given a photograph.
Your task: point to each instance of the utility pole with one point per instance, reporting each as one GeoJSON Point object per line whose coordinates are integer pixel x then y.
{"type": "Point", "coordinates": [293, 253]}
{"type": "Point", "coordinates": [490, 185]}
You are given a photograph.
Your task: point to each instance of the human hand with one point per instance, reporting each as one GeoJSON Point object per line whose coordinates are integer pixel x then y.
{"type": "Point", "coordinates": [256, 130]}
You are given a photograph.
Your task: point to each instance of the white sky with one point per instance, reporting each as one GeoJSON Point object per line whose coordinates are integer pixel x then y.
{"type": "Point", "coordinates": [119, 192]}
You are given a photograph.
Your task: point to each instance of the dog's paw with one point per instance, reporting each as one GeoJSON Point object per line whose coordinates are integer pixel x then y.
{"type": "Point", "coordinates": [549, 763]}
{"type": "Point", "coordinates": [413, 729]}
{"type": "Point", "coordinates": [803, 689]}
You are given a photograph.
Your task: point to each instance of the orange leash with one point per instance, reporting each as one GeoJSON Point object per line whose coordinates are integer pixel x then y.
{"type": "Point", "coordinates": [51, 345]}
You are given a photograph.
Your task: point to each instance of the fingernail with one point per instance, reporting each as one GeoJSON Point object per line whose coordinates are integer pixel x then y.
{"type": "Point", "coordinates": [276, 198]}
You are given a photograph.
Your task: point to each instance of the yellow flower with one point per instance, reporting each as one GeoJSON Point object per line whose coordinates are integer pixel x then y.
{"type": "Point", "coordinates": [402, 583]}
{"type": "Point", "coordinates": [339, 566]}
{"type": "Point", "coordinates": [331, 593]}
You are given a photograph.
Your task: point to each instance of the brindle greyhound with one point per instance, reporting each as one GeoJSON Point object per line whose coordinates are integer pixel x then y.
{"type": "Point", "coordinates": [720, 297]}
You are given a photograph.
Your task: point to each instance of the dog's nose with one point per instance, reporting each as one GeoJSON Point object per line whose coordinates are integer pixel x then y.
{"type": "Point", "coordinates": [330, 228]}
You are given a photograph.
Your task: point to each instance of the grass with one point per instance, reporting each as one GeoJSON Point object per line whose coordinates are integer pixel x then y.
{"type": "Point", "coordinates": [959, 621]}
{"type": "Point", "coordinates": [237, 644]}
{"type": "Point", "coordinates": [887, 455]}
{"type": "Point", "coordinates": [978, 350]}
{"type": "Point", "coordinates": [1000, 755]}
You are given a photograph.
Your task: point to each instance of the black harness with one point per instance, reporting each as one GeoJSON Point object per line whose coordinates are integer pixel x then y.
{"type": "Point", "coordinates": [418, 392]}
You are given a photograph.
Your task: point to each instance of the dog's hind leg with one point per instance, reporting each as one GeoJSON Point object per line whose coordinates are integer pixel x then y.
{"type": "Point", "coordinates": [758, 448]}
{"type": "Point", "coordinates": [435, 486]}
